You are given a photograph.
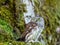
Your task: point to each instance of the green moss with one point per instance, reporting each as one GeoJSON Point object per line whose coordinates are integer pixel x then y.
{"type": "Point", "coordinates": [5, 31]}
{"type": "Point", "coordinates": [2, 1]}
{"type": "Point", "coordinates": [13, 16]}
{"type": "Point", "coordinates": [20, 43]}
{"type": "Point", "coordinates": [50, 11]}
{"type": "Point", "coordinates": [5, 14]}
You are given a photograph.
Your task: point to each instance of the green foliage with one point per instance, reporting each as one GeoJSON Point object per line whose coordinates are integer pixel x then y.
{"type": "Point", "coordinates": [19, 43]}
{"type": "Point", "coordinates": [5, 31]}
{"type": "Point", "coordinates": [13, 15]}
{"type": "Point", "coordinates": [50, 11]}
{"type": "Point", "coordinates": [2, 1]}
{"type": "Point", "coordinates": [6, 14]}
{"type": "Point", "coordinates": [22, 24]}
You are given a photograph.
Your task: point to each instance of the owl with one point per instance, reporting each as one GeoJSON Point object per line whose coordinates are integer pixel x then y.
{"type": "Point", "coordinates": [28, 29]}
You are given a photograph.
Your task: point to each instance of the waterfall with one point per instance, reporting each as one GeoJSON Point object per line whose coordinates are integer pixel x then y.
{"type": "Point", "coordinates": [30, 16]}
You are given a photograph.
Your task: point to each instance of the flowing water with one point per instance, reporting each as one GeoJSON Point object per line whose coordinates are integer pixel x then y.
{"type": "Point", "coordinates": [30, 16]}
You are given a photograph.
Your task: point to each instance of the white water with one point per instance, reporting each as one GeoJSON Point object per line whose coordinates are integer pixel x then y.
{"type": "Point", "coordinates": [30, 16]}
